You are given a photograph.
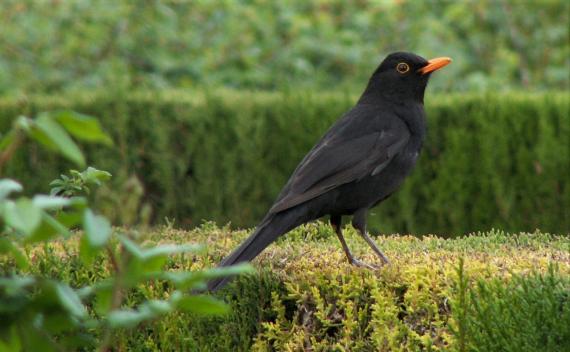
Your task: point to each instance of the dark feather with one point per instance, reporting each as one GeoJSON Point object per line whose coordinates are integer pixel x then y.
{"type": "Point", "coordinates": [344, 157]}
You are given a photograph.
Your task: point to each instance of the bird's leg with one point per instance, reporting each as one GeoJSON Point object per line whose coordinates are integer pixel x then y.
{"type": "Point", "coordinates": [336, 225]}
{"type": "Point", "coordinates": [359, 223]}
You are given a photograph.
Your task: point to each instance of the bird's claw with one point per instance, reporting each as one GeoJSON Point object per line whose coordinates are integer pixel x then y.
{"type": "Point", "coordinates": [362, 264]}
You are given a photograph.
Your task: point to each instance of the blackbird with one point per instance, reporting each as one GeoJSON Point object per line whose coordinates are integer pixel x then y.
{"type": "Point", "coordinates": [360, 161]}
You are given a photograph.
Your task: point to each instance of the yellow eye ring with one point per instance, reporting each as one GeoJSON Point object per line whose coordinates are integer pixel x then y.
{"type": "Point", "coordinates": [402, 67]}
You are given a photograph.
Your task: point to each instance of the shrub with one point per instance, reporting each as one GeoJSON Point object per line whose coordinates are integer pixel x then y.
{"type": "Point", "coordinates": [39, 309]}
{"type": "Point", "coordinates": [528, 313]}
{"type": "Point", "coordinates": [306, 296]}
{"type": "Point", "coordinates": [63, 46]}
{"type": "Point", "coordinates": [490, 161]}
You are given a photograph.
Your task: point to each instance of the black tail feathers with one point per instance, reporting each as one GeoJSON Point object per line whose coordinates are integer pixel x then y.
{"type": "Point", "coordinates": [268, 231]}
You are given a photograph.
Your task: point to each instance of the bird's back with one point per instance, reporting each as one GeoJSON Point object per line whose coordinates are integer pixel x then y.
{"type": "Point", "coordinates": [359, 134]}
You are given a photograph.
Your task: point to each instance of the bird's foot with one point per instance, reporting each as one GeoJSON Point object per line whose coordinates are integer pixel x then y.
{"type": "Point", "coordinates": [362, 264]}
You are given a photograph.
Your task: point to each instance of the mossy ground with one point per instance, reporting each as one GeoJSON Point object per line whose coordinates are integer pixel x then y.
{"type": "Point", "coordinates": [306, 296]}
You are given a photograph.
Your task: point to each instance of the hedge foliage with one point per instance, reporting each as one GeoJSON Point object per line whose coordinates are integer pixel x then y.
{"type": "Point", "coordinates": [54, 46]}
{"type": "Point", "coordinates": [486, 292]}
{"type": "Point", "coordinates": [490, 161]}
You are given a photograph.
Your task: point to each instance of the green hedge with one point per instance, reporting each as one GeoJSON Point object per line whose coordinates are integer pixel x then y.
{"type": "Point", "coordinates": [269, 44]}
{"type": "Point", "coordinates": [487, 292]}
{"type": "Point", "coordinates": [489, 161]}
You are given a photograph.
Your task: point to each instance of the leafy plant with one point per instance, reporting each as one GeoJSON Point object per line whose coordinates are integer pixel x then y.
{"type": "Point", "coordinates": [260, 44]}
{"type": "Point", "coordinates": [78, 182]}
{"type": "Point", "coordinates": [527, 313]}
{"type": "Point", "coordinates": [307, 296]}
{"type": "Point", "coordinates": [44, 313]}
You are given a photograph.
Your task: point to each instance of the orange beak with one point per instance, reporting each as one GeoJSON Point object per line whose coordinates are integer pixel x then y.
{"type": "Point", "coordinates": [435, 64]}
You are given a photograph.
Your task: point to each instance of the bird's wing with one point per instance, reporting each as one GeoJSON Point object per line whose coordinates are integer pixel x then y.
{"type": "Point", "coordinates": [336, 161]}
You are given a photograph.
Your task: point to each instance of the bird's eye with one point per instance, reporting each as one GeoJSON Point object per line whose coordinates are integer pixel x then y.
{"type": "Point", "coordinates": [403, 67]}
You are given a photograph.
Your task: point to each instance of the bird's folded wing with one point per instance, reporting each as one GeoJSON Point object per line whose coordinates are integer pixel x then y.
{"type": "Point", "coordinates": [337, 161]}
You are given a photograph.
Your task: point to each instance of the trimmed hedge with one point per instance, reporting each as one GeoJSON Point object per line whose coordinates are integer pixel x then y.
{"type": "Point", "coordinates": [490, 161]}
{"type": "Point", "coordinates": [486, 292]}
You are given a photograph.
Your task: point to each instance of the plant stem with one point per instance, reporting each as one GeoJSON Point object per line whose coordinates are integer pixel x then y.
{"type": "Point", "coordinates": [117, 297]}
{"type": "Point", "coordinates": [7, 154]}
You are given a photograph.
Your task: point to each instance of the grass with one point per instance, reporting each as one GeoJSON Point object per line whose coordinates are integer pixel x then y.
{"type": "Point", "coordinates": [307, 297]}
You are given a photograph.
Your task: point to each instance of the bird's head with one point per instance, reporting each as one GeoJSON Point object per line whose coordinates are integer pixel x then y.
{"type": "Point", "coordinates": [403, 76]}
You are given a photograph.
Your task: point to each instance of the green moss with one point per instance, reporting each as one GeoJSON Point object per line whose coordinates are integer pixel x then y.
{"type": "Point", "coordinates": [438, 294]}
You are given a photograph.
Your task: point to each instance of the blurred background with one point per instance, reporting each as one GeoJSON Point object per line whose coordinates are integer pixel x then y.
{"type": "Point", "coordinates": [63, 45]}
{"type": "Point", "coordinates": [213, 103]}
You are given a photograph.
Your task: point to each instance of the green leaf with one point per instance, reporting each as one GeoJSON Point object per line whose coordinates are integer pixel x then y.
{"type": "Point", "coordinates": [242, 268]}
{"type": "Point", "coordinates": [82, 127]}
{"type": "Point", "coordinates": [49, 133]}
{"type": "Point", "coordinates": [158, 307]}
{"type": "Point", "coordinates": [97, 228]}
{"type": "Point", "coordinates": [37, 340]}
{"type": "Point", "coordinates": [170, 249]}
{"type": "Point", "coordinates": [201, 304]}
{"type": "Point", "coordinates": [22, 215]}
{"type": "Point", "coordinates": [145, 262]}
{"type": "Point", "coordinates": [16, 285]}
{"type": "Point", "coordinates": [94, 176]}
{"type": "Point", "coordinates": [8, 186]}
{"type": "Point", "coordinates": [7, 246]}
{"type": "Point", "coordinates": [87, 253]}
{"type": "Point", "coordinates": [55, 202]}
{"type": "Point", "coordinates": [55, 191]}
{"type": "Point", "coordinates": [186, 280]}
{"type": "Point", "coordinates": [182, 280]}
{"type": "Point", "coordinates": [57, 182]}
{"type": "Point", "coordinates": [48, 228]}
{"type": "Point", "coordinates": [89, 291]}
{"type": "Point", "coordinates": [23, 123]}
{"type": "Point", "coordinates": [70, 300]}
{"type": "Point", "coordinates": [131, 247]}
{"type": "Point", "coordinates": [129, 318]}
{"type": "Point", "coordinates": [11, 340]}
{"type": "Point", "coordinates": [103, 298]}
{"type": "Point", "coordinates": [70, 218]}
{"type": "Point", "coordinates": [7, 139]}
{"type": "Point", "coordinates": [165, 249]}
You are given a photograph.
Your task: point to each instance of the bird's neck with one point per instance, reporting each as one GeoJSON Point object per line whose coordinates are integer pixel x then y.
{"type": "Point", "coordinates": [414, 116]}
{"type": "Point", "coordinates": [376, 92]}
